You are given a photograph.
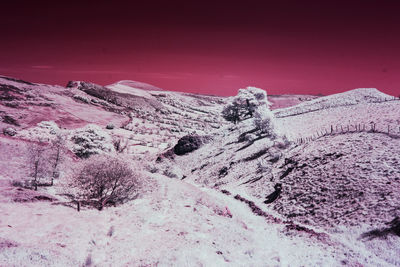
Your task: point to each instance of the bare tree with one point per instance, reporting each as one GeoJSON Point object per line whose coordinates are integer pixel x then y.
{"type": "Point", "coordinates": [105, 180]}
{"type": "Point", "coordinates": [57, 155]}
{"type": "Point", "coordinates": [36, 159]}
{"type": "Point", "coordinates": [120, 144]}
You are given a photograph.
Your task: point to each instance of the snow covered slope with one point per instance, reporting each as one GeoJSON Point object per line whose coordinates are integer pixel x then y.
{"type": "Point", "coordinates": [173, 224]}
{"type": "Point", "coordinates": [237, 200]}
{"type": "Point", "coordinates": [147, 121]}
{"type": "Point", "coordinates": [352, 97]}
{"type": "Point", "coordinates": [346, 183]}
{"type": "Point", "coordinates": [137, 85]}
{"type": "Point", "coordinates": [132, 88]}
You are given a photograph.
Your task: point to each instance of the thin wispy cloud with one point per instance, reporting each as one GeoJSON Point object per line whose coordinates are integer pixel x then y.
{"type": "Point", "coordinates": [42, 67]}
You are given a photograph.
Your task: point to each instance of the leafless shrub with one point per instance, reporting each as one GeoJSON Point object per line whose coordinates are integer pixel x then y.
{"type": "Point", "coordinates": [37, 162]}
{"type": "Point", "coordinates": [104, 180]}
{"type": "Point", "coordinates": [120, 144]}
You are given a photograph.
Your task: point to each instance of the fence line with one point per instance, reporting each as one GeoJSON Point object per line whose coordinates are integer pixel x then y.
{"type": "Point", "coordinates": [389, 130]}
{"type": "Point", "coordinates": [277, 115]}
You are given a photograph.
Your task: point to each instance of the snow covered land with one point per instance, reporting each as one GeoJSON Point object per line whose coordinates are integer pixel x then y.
{"type": "Point", "coordinates": [213, 181]}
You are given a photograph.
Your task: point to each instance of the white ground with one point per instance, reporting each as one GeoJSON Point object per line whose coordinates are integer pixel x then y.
{"type": "Point", "coordinates": [190, 222]}
{"type": "Point", "coordinates": [174, 223]}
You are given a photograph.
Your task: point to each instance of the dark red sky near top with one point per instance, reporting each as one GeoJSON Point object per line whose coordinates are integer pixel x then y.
{"type": "Point", "coordinates": [206, 47]}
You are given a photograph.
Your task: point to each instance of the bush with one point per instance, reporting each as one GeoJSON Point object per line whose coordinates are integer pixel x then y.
{"type": "Point", "coordinates": [10, 120]}
{"type": "Point", "coordinates": [51, 127]}
{"type": "Point", "coordinates": [82, 98]}
{"type": "Point", "coordinates": [264, 122]}
{"type": "Point", "coordinates": [9, 131]}
{"type": "Point", "coordinates": [120, 144]}
{"type": "Point", "coordinates": [91, 140]}
{"type": "Point", "coordinates": [110, 126]}
{"type": "Point", "coordinates": [104, 180]}
{"type": "Point", "coordinates": [188, 143]}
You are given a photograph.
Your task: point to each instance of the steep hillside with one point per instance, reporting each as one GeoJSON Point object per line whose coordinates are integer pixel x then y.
{"type": "Point", "coordinates": [144, 121]}
{"type": "Point", "coordinates": [25, 104]}
{"type": "Point", "coordinates": [344, 182]}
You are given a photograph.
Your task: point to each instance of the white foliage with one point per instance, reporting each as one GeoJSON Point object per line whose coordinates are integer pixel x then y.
{"type": "Point", "coordinates": [252, 103]}
{"type": "Point", "coordinates": [264, 121]}
{"type": "Point", "coordinates": [10, 131]}
{"type": "Point", "coordinates": [244, 105]}
{"type": "Point", "coordinates": [256, 96]}
{"type": "Point", "coordinates": [91, 139]}
{"type": "Point", "coordinates": [43, 131]}
{"type": "Point", "coordinates": [50, 125]}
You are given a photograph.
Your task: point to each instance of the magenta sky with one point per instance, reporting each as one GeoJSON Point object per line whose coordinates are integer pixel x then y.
{"type": "Point", "coordinates": [205, 47]}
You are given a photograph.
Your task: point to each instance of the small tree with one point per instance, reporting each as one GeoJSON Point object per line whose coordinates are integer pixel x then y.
{"type": "Point", "coordinates": [245, 104]}
{"type": "Point", "coordinates": [57, 155]}
{"type": "Point", "coordinates": [36, 155]}
{"type": "Point", "coordinates": [105, 180]}
{"type": "Point", "coordinates": [231, 113]}
{"type": "Point", "coordinates": [120, 144]}
{"type": "Point", "coordinates": [252, 103]}
{"type": "Point", "coordinates": [264, 122]}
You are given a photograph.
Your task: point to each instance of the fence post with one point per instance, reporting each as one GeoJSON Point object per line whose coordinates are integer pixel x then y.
{"type": "Point", "coordinates": [78, 206]}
